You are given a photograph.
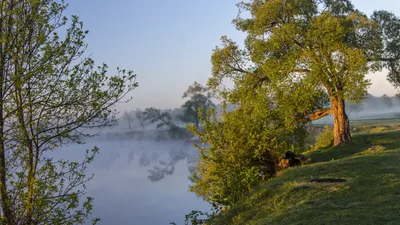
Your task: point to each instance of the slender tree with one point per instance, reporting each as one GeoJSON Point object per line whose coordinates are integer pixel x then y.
{"type": "Point", "coordinates": [50, 96]}
{"type": "Point", "coordinates": [129, 118]}
{"type": "Point", "coordinates": [307, 49]}
{"type": "Point", "coordinates": [140, 118]}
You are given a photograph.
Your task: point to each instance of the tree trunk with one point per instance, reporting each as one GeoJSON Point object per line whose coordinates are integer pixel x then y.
{"type": "Point", "coordinates": [196, 119]}
{"type": "Point", "coordinates": [341, 128]}
{"type": "Point", "coordinates": [6, 209]}
{"type": "Point", "coordinates": [142, 127]}
{"type": "Point", "coordinates": [5, 200]}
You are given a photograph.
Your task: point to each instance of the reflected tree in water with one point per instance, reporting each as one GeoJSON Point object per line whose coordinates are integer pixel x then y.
{"type": "Point", "coordinates": [160, 172]}
{"type": "Point", "coordinates": [145, 160]}
{"type": "Point", "coordinates": [167, 167]}
{"type": "Point", "coordinates": [154, 156]}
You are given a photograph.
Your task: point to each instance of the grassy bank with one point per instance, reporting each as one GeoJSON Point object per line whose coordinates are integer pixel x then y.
{"type": "Point", "coordinates": [370, 193]}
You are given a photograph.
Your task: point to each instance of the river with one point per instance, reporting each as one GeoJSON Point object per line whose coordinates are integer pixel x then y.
{"type": "Point", "coordinates": [140, 182]}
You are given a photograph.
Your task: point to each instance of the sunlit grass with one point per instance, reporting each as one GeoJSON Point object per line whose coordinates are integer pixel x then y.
{"type": "Point", "coordinates": [370, 195]}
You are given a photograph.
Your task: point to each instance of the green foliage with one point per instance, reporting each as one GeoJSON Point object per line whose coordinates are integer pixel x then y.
{"type": "Point", "coordinates": [309, 53]}
{"type": "Point", "coordinates": [245, 149]}
{"type": "Point", "coordinates": [51, 95]}
{"type": "Point", "coordinates": [324, 139]}
{"type": "Point", "coordinates": [389, 34]}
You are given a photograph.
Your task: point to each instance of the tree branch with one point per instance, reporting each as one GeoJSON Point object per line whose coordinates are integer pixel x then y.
{"type": "Point", "coordinates": [318, 114]}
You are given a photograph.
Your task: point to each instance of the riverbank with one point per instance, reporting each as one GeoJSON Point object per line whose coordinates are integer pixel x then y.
{"type": "Point", "coordinates": [354, 184]}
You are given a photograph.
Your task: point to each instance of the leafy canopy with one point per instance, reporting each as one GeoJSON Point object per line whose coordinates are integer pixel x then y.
{"type": "Point", "coordinates": [307, 50]}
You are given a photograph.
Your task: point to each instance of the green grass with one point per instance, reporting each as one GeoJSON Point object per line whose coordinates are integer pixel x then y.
{"type": "Point", "coordinates": [370, 195]}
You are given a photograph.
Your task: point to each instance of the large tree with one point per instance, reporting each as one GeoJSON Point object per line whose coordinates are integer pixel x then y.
{"type": "Point", "coordinates": [50, 96]}
{"type": "Point", "coordinates": [306, 50]}
{"type": "Point", "coordinates": [199, 97]}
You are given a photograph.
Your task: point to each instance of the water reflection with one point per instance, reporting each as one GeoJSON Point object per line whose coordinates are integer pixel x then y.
{"type": "Point", "coordinates": [140, 182]}
{"type": "Point", "coordinates": [162, 168]}
{"type": "Point", "coordinates": [167, 167]}
{"type": "Point", "coordinates": [144, 160]}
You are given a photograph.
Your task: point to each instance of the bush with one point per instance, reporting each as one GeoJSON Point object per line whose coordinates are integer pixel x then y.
{"type": "Point", "coordinates": [324, 139]}
{"type": "Point", "coordinates": [245, 150]}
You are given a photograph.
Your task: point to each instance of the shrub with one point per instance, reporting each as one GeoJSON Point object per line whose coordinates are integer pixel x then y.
{"type": "Point", "coordinates": [324, 139]}
{"type": "Point", "coordinates": [245, 150]}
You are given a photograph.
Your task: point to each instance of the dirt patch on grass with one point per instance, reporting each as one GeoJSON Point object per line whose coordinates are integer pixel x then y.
{"type": "Point", "coordinates": [327, 180]}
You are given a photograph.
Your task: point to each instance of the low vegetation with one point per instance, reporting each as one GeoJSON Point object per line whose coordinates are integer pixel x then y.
{"type": "Point", "coordinates": [324, 139]}
{"type": "Point", "coordinates": [245, 150]}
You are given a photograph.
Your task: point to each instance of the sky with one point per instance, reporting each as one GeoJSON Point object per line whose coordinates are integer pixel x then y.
{"type": "Point", "coordinates": [168, 44]}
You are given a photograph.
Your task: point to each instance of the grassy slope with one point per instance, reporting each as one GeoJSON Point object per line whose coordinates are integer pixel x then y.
{"type": "Point", "coordinates": [371, 194]}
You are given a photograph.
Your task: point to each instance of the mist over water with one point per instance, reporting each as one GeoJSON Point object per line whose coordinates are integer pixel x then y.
{"type": "Point", "coordinates": [140, 182]}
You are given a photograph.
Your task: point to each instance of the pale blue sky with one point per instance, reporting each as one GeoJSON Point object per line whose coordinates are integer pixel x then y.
{"type": "Point", "coordinates": [169, 43]}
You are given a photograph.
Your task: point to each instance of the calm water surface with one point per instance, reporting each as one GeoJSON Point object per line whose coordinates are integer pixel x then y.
{"type": "Point", "coordinates": [141, 182]}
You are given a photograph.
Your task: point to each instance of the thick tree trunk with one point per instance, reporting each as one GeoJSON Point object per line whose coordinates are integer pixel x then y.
{"type": "Point", "coordinates": [341, 126]}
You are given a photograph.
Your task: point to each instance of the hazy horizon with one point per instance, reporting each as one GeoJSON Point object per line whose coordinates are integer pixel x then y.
{"type": "Point", "coordinates": [169, 44]}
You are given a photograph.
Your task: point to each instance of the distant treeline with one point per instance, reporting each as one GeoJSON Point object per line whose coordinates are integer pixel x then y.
{"type": "Point", "coordinates": [374, 103]}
